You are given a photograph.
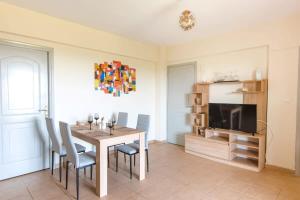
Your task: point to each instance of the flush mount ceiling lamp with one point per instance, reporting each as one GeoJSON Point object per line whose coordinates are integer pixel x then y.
{"type": "Point", "coordinates": [186, 20]}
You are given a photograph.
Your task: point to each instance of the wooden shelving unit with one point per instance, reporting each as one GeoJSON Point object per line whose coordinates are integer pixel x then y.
{"type": "Point", "coordinates": [246, 144]}
{"type": "Point", "coordinates": [199, 102]}
{"type": "Point", "coordinates": [245, 153]}
{"type": "Point", "coordinates": [230, 147]}
{"type": "Point", "coordinates": [218, 138]}
{"type": "Point", "coordinates": [245, 163]}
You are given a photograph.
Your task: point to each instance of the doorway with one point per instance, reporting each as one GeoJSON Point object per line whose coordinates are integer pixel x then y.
{"type": "Point", "coordinates": [24, 101]}
{"type": "Point", "coordinates": [181, 79]}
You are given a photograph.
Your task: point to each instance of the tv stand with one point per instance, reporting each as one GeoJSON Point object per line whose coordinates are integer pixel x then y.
{"type": "Point", "coordinates": [234, 148]}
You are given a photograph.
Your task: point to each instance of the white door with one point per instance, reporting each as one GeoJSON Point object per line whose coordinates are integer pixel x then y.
{"type": "Point", "coordinates": [24, 144]}
{"type": "Point", "coordinates": [180, 83]}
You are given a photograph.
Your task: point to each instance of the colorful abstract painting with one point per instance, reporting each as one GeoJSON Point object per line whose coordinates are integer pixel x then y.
{"type": "Point", "coordinates": [115, 78]}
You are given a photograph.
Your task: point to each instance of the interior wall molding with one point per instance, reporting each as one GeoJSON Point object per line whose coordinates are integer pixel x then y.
{"type": "Point", "coordinates": [76, 46]}
{"type": "Point", "coordinates": [170, 62]}
{"type": "Point", "coordinates": [297, 146]}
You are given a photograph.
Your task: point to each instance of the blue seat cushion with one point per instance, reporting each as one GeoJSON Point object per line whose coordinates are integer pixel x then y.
{"type": "Point", "coordinates": [127, 149]}
{"type": "Point", "coordinates": [79, 148]}
{"type": "Point", "coordinates": [136, 145]}
{"type": "Point", "coordinates": [91, 153]}
{"type": "Point", "coordinates": [86, 160]}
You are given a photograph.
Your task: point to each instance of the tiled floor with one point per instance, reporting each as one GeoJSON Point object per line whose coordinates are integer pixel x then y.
{"type": "Point", "coordinates": [173, 175]}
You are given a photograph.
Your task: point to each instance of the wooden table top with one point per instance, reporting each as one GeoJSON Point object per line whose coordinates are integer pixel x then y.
{"type": "Point", "coordinates": [95, 135]}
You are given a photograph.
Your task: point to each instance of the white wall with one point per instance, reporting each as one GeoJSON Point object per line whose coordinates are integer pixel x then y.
{"type": "Point", "coordinates": [242, 63]}
{"type": "Point", "coordinates": [76, 49]}
{"type": "Point", "coordinates": [75, 96]}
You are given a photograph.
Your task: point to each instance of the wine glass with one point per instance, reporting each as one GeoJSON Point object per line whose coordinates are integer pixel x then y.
{"type": "Point", "coordinates": [110, 126]}
{"type": "Point", "coordinates": [96, 117]}
{"type": "Point", "coordinates": [113, 121]}
{"type": "Point", "coordinates": [90, 120]}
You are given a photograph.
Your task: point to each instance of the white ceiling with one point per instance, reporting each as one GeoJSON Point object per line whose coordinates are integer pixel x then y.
{"type": "Point", "coordinates": [157, 20]}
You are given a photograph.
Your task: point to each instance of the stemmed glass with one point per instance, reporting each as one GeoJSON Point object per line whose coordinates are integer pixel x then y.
{"type": "Point", "coordinates": [113, 121]}
{"type": "Point", "coordinates": [90, 120]}
{"type": "Point", "coordinates": [110, 126]}
{"type": "Point", "coordinates": [96, 117]}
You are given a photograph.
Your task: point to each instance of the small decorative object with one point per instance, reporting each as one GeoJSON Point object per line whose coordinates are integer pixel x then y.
{"type": "Point", "coordinates": [242, 90]}
{"type": "Point", "coordinates": [258, 75]}
{"type": "Point", "coordinates": [231, 77]}
{"type": "Point", "coordinates": [198, 100]}
{"type": "Point", "coordinates": [115, 78]}
{"type": "Point", "coordinates": [218, 77]}
{"type": "Point", "coordinates": [186, 20]}
{"type": "Point", "coordinates": [102, 123]}
{"type": "Point", "coordinates": [90, 120]}
{"type": "Point", "coordinates": [202, 120]}
{"type": "Point", "coordinates": [202, 132]}
{"type": "Point", "coordinates": [197, 121]}
{"type": "Point", "coordinates": [96, 117]}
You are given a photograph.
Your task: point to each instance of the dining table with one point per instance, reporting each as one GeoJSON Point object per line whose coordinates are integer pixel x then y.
{"type": "Point", "coordinates": [103, 138]}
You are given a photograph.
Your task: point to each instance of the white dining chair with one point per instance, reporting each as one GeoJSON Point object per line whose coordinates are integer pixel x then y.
{"type": "Point", "coordinates": [122, 119]}
{"type": "Point", "coordinates": [122, 122]}
{"type": "Point", "coordinates": [80, 161]}
{"type": "Point", "coordinates": [143, 124]}
{"type": "Point", "coordinates": [57, 146]}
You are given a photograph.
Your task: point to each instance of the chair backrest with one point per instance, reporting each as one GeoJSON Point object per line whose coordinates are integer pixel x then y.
{"type": "Point", "coordinates": [122, 119]}
{"type": "Point", "coordinates": [56, 143]}
{"type": "Point", "coordinates": [72, 155]}
{"type": "Point", "coordinates": [143, 124]}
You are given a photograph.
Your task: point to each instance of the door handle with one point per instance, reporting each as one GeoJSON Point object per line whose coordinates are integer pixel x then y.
{"type": "Point", "coordinates": [45, 110]}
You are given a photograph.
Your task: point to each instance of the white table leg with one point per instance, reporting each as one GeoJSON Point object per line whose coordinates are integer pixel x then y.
{"type": "Point", "coordinates": [142, 156]}
{"type": "Point", "coordinates": [101, 169]}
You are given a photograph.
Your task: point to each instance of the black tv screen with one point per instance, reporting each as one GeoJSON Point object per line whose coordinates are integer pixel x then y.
{"type": "Point", "coordinates": [240, 117]}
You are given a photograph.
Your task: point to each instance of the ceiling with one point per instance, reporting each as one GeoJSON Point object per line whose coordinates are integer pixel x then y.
{"type": "Point", "coordinates": [156, 21]}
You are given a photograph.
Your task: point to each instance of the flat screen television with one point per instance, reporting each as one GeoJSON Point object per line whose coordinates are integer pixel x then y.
{"type": "Point", "coordinates": [239, 117]}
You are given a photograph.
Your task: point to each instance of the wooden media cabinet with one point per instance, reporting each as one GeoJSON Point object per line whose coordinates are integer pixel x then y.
{"type": "Point", "coordinates": [231, 147]}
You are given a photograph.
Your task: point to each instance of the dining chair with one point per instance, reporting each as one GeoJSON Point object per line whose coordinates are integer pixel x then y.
{"type": "Point", "coordinates": [80, 161]}
{"type": "Point", "coordinates": [122, 121]}
{"type": "Point", "coordinates": [143, 124]}
{"type": "Point", "coordinates": [57, 146]}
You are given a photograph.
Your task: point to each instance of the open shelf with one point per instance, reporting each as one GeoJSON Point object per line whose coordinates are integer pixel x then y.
{"type": "Point", "coordinates": [247, 153]}
{"type": "Point", "coordinates": [219, 139]}
{"type": "Point", "coordinates": [246, 144]}
{"type": "Point", "coordinates": [245, 161]}
{"type": "Point", "coordinates": [246, 92]}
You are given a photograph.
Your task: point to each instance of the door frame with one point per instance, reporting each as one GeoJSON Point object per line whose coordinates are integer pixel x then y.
{"type": "Point", "coordinates": [50, 72]}
{"type": "Point", "coordinates": [194, 63]}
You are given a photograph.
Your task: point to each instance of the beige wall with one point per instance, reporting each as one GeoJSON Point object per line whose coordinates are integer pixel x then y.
{"type": "Point", "coordinates": [76, 48]}
{"type": "Point", "coordinates": [282, 40]}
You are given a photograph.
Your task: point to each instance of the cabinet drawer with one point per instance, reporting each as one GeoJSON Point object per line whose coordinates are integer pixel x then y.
{"type": "Point", "coordinates": [207, 147]}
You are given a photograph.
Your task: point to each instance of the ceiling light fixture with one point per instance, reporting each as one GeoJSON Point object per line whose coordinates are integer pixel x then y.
{"type": "Point", "coordinates": [186, 20]}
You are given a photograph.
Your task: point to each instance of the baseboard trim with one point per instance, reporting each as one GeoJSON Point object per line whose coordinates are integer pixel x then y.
{"type": "Point", "coordinates": [286, 170]}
